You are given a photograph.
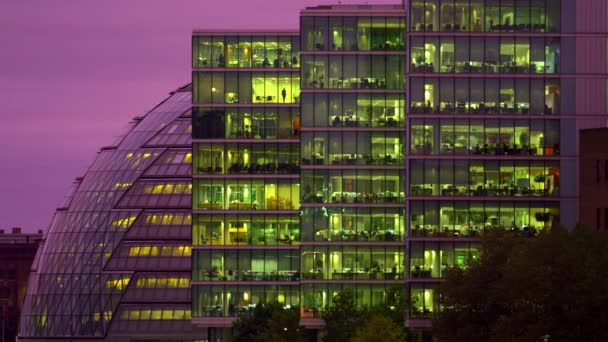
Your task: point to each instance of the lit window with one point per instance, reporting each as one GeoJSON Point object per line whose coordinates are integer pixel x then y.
{"type": "Point", "coordinates": [134, 251]}
{"type": "Point", "coordinates": [184, 282]}
{"type": "Point", "coordinates": [151, 283]}
{"type": "Point", "coordinates": [179, 188]}
{"type": "Point", "coordinates": [134, 315]}
{"type": "Point", "coordinates": [162, 283]}
{"type": "Point", "coordinates": [172, 282]}
{"type": "Point", "coordinates": [167, 219]}
{"type": "Point", "coordinates": [167, 315]}
{"type": "Point", "coordinates": [178, 314]}
{"type": "Point", "coordinates": [145, 315]}
{"type": "Point", "coordinates": [155, 314]}
{"type": "Point", "coordinates": [169, 188]}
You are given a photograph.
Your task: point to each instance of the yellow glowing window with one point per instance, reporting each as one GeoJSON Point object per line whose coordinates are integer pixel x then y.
{"type": "Point", "coordinates": [184, 282]}
{"type": "Point", "coordinates": [129, 155]}
{"type": "Point", "coordinates": [155, 314]}
{"type": "Point", "coordinates": [107, 315]}
{"type": "Point", "coordinates": [120, 284]}
{"type": "Point", "coordinates": [124, 223]}
{"type": "Point", "coordinates": [134, 251]}
{"type": "Point", "coordinates": [172, 282]}
{"type": "Point", "coordinates": [179, 188]}
{"type": "Point", "coordinates": [167, 219]}
{"type": "Point", "coordinates": [177, 220]}
{"type": "Point", "coordinates": [151, 282]}
{"type": "Point", "coordinates": [96, 316]}
{"type": "Point", "coordinates": [158, 189]}
{"type": "Point", "coordinates": [169, 189]}
{"type": "Point", "coordinates": [178, 314]}
{"type": "Point", "coordinates": [154, 251]}
{"type": "Point", "coordinates": [167, 315]}
{"type": "Point", "coordinates": [188, 219]}
{"type": "Point", "coordinates": [188, 157]}
{"type": "Point", "coordinates": [134, 315]}
{"type": "Point", "coordinates": [148, 189]}
{"type": "Point", "coordinates": [162, 283]}
{"type": "Point", "coordinates": [147, 155]}
{"type": "Point", "coordinates": [188, 314]}
{"type": "Point", "coordinates": [145, 315]}
{"type": "Point", "coordinates": [144, 251]}
{"type": "Point", "coordinates": [141, 282]}
{"type": "Point", "coordinates": [152, 219]}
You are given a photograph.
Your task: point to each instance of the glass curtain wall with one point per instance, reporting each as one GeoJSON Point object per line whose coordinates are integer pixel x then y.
{"type": "Point", "coordinates": [485, 139]}
{"type": "Point", "coordinates": [352, 158]}
{"type": "Point", "coordinates": [246, 164]}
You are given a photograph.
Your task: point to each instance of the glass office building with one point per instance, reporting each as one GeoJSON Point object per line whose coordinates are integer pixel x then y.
{"type": "Point", "coordinates": [352, 155]}
{"type": "Point", "coordinates": [495, 103]}
{"type": "Point", "coordinates": [246, 174]}
{"type": "Point", "coordinates": [368, 151]}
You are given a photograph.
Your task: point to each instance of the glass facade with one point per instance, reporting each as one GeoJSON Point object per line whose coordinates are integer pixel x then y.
{"type": "Point", "coordinates": [246, 186]}
{"type": "Point", "coordinates": [520, 16]}
{"type": "Point", "coordinates": [485, 142]}
{"type": "Point", "coordinates": [236, 51]}
{"type": "Point", "coordinates": [130, 214]}
{"type": "Point", "coordinates": [352, 158]}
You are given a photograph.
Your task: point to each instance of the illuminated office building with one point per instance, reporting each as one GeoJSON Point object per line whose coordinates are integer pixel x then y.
{"type": "Point", "coordinates": [246, 174]}
{"type": "Point", "coordinates": [353, 160]}
{"type": "Point", "coordinates": [498, 91]}
{"type": "Point", "coordinates": [367, 151]}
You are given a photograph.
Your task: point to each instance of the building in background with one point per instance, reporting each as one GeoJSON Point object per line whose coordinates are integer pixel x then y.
{"type": "Point", "coordinates": [17, 252]}
{"type": "Point", "coordinates": [369, 152]}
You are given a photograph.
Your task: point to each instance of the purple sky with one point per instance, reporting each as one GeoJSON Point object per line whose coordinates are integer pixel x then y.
{"type": "Point", "coordinates": [72, 74]}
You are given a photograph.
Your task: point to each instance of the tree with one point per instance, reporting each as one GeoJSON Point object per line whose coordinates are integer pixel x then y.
{"type": "Point", "coordinates": [270, 322]}
{"type": "Point", "coordinates": [548, 288]}
{"type": "Point", "coordinates": [380, 328]}
{"type": "Point", "coordinates": [395, 305]}
{"type": "Point", "coordinates": [343, 317]}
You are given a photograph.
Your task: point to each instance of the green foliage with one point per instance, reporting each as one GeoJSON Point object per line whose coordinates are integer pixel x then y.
{"type": "Point", "coordinates": [345, 321]}
{"type": "Point", "coordinates": [394, 308]}
{"type": "Point", "coordinates": [548, 288]}
{"type": "Point", "coordinates": [343, 317]}
{"type": "Point", "coordinates": [380, 328]}
{"type": "Point", "coordinates": [270, 322]}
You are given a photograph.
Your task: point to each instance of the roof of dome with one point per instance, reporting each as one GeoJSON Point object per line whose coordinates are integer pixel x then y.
{"type": "Point", "coordinates": [95, 246]}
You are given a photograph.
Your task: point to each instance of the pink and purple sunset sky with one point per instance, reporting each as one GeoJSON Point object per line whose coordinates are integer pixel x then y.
{"type": "Point", "coordinates": [73, 73]}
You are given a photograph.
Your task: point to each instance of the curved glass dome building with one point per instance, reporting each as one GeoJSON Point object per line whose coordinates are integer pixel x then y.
{"type": "Point", "coordinates": [118, 249]}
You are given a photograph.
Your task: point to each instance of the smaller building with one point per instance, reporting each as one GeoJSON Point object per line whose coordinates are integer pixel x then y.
{"type": "Point", "coordinates": [593, 166]}
{"type": "Point", "coordinates": [17, 252]}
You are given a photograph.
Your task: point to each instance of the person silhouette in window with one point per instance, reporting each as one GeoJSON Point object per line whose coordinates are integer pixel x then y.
{"type": "Point", "coordinates": [284, 94]}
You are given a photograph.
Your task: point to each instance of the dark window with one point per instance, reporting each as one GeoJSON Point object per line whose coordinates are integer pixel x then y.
{"type": "Point", "coordinates": [597, 171]}
{"type": "Point", "coordinates": [597, 218]}
{"type": "Point", "coordinates": [606, 170]}
{"type": "Point", "coordinates": [606, 218]}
